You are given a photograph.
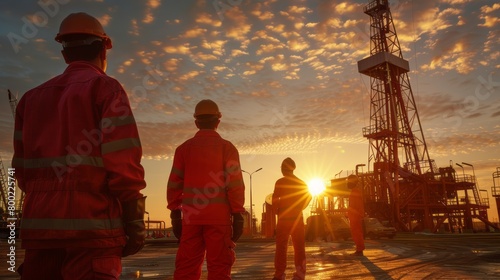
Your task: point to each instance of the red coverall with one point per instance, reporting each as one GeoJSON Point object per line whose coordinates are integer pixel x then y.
{"type": "Point", "coordinates": [291, 195]}
{"type": "Point", "coordinates": [356, 212]}
{"type": "Point", "coordinates": [207, 184]}
{"type": "Point", "coordinates": [77, 157]}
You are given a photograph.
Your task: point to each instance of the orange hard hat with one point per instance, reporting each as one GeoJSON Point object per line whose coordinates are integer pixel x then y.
{"type": "Point", "coordinates": [207, 107]}
{"type": "Point", "coordinates": [82, 23]}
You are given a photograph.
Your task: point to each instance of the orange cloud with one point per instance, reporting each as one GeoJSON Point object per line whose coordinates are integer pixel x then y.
{"type": "Point", "coordinates": [205, 18]}
{"type": "Point", "coordinates": [488, 9]}
{"type": "Point", "coordinates": [171, 64]}
{"type": "Point", "coordinates": [134, 30]}
{"type": "Point", "coordinates": [345, 7]}
{"type": "Point", "coordinates": [298, 10]}
{"type": "Point", "coordinates": [298, 44]}
{"type": "Point", "coordinates": [237, 52]}
{"type": "Point", "coordinates": [262, 15]}
{"type": "Point", "coordinates": [268, 48]}
{"type": "Point", "coordinates": [217, 46]}
{"type": "Point", "coordinates": [190, 75]}
{"type": "Point", "coordinates": [456, 58]}
{"type": "Point", "coordinates": [181, 49]}
{"type": "Point", "coordinates": [194, 33]}
{"type": "Point", "coordinates": [278, 28]}
{"type": "Point", "coordinates": [150, 6]}
{"type": "Point", "coordinates": [490, 21]}
{"type": "Point", "coordinates": [205, 57]}
{"type": "Point", "coordinates": [432, 20]}
{"type": "Point", "coordinates": [238, 26]}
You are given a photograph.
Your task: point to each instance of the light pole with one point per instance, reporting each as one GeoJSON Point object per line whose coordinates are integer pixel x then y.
{"type": "Point", "coordinates": [146, 212]}
{"type": "Point", "coordinates": [251, 206]}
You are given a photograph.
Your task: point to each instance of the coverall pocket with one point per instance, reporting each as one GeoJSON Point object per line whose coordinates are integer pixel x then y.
{"type": "Point", "coordinates": [107, 268]}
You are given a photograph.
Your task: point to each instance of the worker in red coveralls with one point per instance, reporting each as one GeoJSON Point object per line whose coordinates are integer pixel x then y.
{"type": "Point", "coordinates": [206, 194]}
{"type": "Point", "coordinates": [356, 213]}
{"type": "Point", "coordinates": [77, 157]}
{"type": "Point", "coordinates": [291, 195]}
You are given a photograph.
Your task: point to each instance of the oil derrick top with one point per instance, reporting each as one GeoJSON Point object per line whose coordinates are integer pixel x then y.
{"type": "Point", "coordinates": [397, 143]}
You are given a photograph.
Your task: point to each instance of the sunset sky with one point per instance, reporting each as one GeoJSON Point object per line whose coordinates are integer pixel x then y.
{"type": "Point", "coordinates": [284, 74]}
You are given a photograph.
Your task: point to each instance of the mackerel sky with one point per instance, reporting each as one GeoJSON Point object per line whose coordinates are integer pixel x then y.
{"type": "Point", "coordinates": [284, 74]}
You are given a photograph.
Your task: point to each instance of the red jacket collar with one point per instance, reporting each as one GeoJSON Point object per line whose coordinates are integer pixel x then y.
{"type": "Point", "coordinates": [79, 65]}
{"type": "Point", "coordinates": [207, 132]}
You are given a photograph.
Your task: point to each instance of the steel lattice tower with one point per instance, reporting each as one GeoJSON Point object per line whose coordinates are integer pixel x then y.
{"type": "Point", "coordinates": [397, 144]}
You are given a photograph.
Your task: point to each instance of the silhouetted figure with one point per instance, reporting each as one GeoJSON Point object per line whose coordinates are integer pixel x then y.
{"type": "Point", "coordinates": [356, 213]}
{"type": "Point", "coordinates": [291, 195]}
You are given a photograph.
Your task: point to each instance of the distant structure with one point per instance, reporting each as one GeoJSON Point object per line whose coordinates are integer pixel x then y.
{"type": "Point", "coordinates": [403, 185]}
{"type": "Point", "coordinates": [495, 189]}
{"type": "Point", "coordinates": [397, 146]}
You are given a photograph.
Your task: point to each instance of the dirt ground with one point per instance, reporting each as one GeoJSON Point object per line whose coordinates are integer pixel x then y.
{"type": "Point", "coordinates": [408, 256]}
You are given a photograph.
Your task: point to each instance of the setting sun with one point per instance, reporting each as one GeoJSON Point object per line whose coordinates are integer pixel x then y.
{"type": "Point", "coordinates": [316, 186]}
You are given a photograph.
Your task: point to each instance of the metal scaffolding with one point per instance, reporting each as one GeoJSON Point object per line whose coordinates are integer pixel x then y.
{"type": "Point", "coordinates": [405, 186]}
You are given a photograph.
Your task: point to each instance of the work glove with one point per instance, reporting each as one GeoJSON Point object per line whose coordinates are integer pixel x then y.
{"type": "Point", "coordinates": [237, 226]}
{"type": "Point", "coordinates": [176, 218]}
{"type": "Point", "coordinates": [135, 229]}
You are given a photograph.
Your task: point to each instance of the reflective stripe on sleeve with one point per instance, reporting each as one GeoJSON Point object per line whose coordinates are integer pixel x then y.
{"type": "Point", "coordinates": [174, 185]}
{"type": "Point", "coordinates": [178, 172]}
{"type": "Point", "coordinates": [119, 145]}
{"type": "Point", "coordinates": [17, 162]}
{"type": "Point", "coordinates": [208, 191]}
{"type": "Point", "coordinates": [107, 123]}
{"type": "Point", "coordinates": [69, 160]}
{"type": "Point", "coordinates": [235, 183]}
{"type": "Point", "coordinates": [18, 135]}
{"type": "Point", "coordinates": [232, 169]}
{"type": "Point", "coordinates": [71, 224]}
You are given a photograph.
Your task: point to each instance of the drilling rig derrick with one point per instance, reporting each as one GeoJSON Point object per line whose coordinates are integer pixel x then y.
{"type": "Point", "coordinates": [405, 186]}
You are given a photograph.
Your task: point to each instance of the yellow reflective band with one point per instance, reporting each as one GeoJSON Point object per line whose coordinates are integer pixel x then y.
{"type": "Point", "coordinates": [119, 145]}
{"type": "Point", "coordinates": [174, 185]}
{"type": "Point", "coordinates": [71, 224]}
{"type": "Point", "coordinates": [203, 200]}
{"type": "Point", "coordinates": [232, 169]}
{"type": "Point", "coordinates": [210, 191]}
{"type": "Point", "coordinates": [18, 135]}
{"type": "Point", "coordinates": [69, 160]}
{"type": "Point", "coordinates": [235, 183]}
{"type": "Point", "coordinates": [107, 123]}
{"type": "Point", "coordinates": [17, 162]}
{"type": "Point", "coordinates": [178, 172]}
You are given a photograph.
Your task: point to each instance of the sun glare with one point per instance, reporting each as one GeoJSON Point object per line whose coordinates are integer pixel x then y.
{"type": "Point", "coordinates": [316, 186]}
